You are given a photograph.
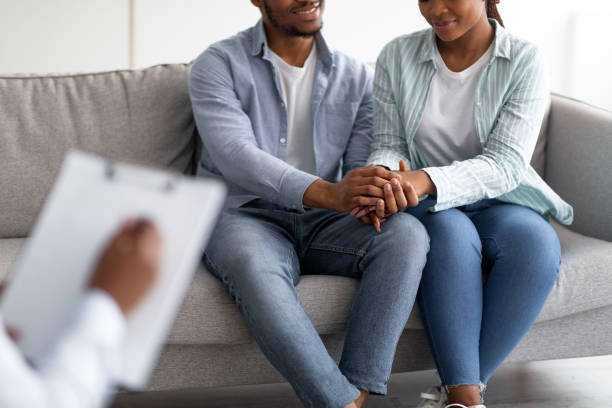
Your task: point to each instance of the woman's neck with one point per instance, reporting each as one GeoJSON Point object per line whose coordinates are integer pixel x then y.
{"type": "Point", "coordinates": [463, 52]}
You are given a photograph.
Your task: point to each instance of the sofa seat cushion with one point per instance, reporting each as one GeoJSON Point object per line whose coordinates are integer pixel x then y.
{"type": "Point", "coordinates": [209, 316]}
{"type": "Point", "coordinates": [9, 251]}
{"type": "Point", "coordinates": [585, 278]}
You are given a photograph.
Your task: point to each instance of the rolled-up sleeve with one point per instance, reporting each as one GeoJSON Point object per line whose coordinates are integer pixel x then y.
{"type": "Point", "coordinates": [228, 135]}
{"type": "Point", "coordinates": [506, 155]}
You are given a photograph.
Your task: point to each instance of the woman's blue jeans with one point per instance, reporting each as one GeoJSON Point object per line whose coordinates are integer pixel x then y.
{"type": "Point", "coordinates": [490, 268]}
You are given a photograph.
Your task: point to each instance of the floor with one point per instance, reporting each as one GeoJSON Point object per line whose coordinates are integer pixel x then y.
{"type": "Point", "coordinates": [578, 383]}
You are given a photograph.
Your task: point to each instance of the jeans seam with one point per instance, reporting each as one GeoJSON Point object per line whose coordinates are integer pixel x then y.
{"type": "Point", "coordinates": [433, 346]}
{"type": "Point", "coordinates": [338, 249]}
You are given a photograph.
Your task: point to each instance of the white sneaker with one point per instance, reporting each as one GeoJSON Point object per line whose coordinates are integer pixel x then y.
{"type": "Point", "coordinates": [435, 397]}
{"type": "Point", "coordinates": [463, 406]}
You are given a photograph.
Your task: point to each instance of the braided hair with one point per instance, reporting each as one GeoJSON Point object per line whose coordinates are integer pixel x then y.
{"type": "Point", "coordinates": [492, 11]}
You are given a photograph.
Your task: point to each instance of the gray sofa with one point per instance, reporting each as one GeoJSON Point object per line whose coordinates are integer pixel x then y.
{"type": "Point", "coordinates": [145, 117]}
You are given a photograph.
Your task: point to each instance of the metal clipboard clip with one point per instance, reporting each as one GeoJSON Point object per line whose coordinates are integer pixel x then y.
{"type": "Point", "coordinates": [110, 173]}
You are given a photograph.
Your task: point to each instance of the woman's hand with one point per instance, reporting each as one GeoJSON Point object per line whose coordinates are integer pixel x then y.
{"type": "Point", "coordinates": [360, 187]}
{"type": "Point", "coordinates": [418, 179]}
{"type": "Point", "coordinates": [399, 194]}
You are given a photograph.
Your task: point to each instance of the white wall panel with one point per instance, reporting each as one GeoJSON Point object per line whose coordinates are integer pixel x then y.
{"type": "Point", "coordinates": [92, 35]}
{"type": "Point", "coordinates": [63, 35]}
{"type": "Point", "coordinates": [591, 61]}
{"type": "Point", "coordinates": [172, 31]}
{"type": "Point", "coordinates": [177, 31]}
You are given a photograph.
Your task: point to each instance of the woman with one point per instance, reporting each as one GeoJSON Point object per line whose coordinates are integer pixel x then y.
{"type": "Point", "coordinates": [463, 103]}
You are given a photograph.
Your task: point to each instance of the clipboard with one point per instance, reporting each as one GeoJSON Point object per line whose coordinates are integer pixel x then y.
{"type": "Point", "coordinates": [90, 200]}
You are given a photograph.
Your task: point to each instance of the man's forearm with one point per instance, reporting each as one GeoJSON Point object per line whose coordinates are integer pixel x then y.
{"type": "Point", "coordinates": [320, 194]}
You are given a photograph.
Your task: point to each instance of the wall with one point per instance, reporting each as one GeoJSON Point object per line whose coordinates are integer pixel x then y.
{"type": "Point", "coordinates": [91, 35]}
{"type": "Point", "coordinates": [63, 35]}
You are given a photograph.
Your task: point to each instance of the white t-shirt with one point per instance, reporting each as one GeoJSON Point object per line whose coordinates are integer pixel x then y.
{"type": "Point", "coordinates": [447, 132]}
{"type": "Point", "coordinates": [297, 84]}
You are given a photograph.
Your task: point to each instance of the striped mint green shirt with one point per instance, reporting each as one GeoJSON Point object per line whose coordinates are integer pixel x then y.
{"type": "Point", "coordinates": [510, 103]}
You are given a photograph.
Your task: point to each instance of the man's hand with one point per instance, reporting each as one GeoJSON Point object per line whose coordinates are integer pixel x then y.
{"type": "Point", "coordinates": [129, 265]}
{"type": "Point", "coordinates": [360, 187]}
{"type": "Point", "coordinates": [398, 195]}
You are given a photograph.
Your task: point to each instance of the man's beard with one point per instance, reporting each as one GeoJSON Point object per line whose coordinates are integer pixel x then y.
{"type": "Point", "coordinates": [289, 29]}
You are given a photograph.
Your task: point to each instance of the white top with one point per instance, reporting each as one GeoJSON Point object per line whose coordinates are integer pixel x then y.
{"type": "Point", "coordinates": [77, 372]}
{"type": "Point", "coordinates": [297, 84]}
{"type": "Point", "coordinates": [447, 132]}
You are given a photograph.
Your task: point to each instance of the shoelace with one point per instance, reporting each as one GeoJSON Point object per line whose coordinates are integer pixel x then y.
{"type": "Point", "coordinates": [431, 397]}
{"type": "Point", "coordinates": [433, 400]}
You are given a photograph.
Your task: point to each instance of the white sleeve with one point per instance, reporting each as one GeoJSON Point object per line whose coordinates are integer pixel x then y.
{"type": "Point", "coordinates": [79, 371]}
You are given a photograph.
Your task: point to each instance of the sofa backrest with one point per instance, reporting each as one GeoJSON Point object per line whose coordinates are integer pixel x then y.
{"type": "Point", "coordinates": [140, 116]}
{"type": "Point", "coordinates": [579, 163]}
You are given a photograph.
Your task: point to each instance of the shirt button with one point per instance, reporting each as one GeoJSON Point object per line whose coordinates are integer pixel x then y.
{"type": "Point", "coordinates": [283, 140]}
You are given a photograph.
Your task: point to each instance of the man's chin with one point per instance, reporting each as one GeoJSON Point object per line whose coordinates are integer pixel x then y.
{"type": "Point", "coordinates": [304, 31]}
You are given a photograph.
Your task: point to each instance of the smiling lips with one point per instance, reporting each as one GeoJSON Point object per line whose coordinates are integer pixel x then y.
{"type": "Point", "coordinates": [309, 10]}
{"type": "Point", "coordinates": [443, 25]}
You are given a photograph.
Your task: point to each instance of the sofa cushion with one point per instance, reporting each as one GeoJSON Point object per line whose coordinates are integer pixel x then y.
{"type": "Point", "coordinates": [141, 116]}
{"type": "Point", "coordinates": [209, 316]}
{"type": "Point", "coordinates": [9, 251]}
{"type": "Point", "coordinates": [538, 159]}
{"type": "Point", "coordinates": [584, 279]}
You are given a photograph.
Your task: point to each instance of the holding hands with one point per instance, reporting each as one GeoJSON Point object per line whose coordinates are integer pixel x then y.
{"type": "Point", "coordinates": [399, 190]}
{"type": "Point", "coordinates": [372, 194]}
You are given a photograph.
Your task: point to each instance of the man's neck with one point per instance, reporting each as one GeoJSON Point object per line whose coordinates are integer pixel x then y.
{"type": "Point", "coordinates": [294, 50]}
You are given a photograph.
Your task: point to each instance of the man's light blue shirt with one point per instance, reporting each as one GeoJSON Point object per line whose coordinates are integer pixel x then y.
{"type": "Point", "coordinates": [239, 111]}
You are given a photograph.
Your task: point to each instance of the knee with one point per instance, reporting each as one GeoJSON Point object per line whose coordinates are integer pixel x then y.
{"type": "Point", "coordinates": [452, 232]}
{"type": "Point", "coordinates": [247, 274]}
{"type": "Point", "coordinates": [538, 245]}
{"type": "Point", "coordinates": [405, 235]}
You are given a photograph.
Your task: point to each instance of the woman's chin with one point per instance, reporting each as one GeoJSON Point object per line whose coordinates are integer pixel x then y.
{"type": "Point", "coordinates": [447, 36]}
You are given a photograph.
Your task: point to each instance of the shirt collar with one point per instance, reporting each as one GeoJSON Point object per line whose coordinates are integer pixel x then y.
{"type": "Point", "coordinates": [501, 44]}
{"type": "Point", "coordinates": [260, 44]}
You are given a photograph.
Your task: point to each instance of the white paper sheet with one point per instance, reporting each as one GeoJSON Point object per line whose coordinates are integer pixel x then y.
{"type": "Point", "coordinates": [89, 202]}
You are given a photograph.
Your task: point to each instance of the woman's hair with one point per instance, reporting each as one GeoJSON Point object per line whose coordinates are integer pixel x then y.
{"type": "Point", "coordinates": [492, 11]}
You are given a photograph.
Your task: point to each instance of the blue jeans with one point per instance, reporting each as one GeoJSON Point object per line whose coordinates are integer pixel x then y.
{"type": "Point", "coordinates": [489, 271]}
{"type": "Point", "coordinates": [260, 251]}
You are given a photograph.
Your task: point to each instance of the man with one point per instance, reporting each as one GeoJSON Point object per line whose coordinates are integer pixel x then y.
{"type": "Point", "coordinates": [281, 115]}
{"type": "Point", "coordinates": [78, 372]}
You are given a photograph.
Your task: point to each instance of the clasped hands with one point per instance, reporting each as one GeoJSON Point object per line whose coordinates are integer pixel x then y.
{"type": "Point", "coordinates": [374, 193]}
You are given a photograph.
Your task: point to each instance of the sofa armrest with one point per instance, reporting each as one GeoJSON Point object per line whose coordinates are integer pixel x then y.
{"type": "Point", "coordinates": [579, 163]}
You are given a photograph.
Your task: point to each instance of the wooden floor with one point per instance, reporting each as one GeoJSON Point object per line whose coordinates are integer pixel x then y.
{"type": "Point", "coordinates": [580, 383]}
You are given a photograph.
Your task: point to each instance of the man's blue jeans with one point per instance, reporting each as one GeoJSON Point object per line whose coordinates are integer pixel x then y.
{"type": "Point", "coordinates": [260, 251]}
{"type": "Point", "coordinates": [489, 271]}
